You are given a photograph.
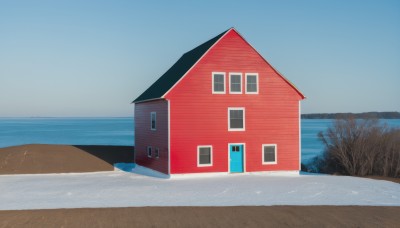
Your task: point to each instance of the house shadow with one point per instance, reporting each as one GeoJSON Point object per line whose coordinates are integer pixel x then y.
{"type": "Point", "coordinates": [110, 154]}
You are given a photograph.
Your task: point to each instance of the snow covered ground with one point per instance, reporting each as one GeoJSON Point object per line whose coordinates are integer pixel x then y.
{"type": "Point", "coordinates": [124, 189]}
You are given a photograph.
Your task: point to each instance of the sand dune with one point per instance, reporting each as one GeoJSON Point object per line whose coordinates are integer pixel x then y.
{"type": "Point", "coordinates": [41, 158]}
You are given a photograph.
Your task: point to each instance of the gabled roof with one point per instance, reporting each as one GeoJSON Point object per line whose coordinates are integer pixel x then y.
{"type": "Point", "coordinates": [177, 71]}
{"type": "Point", "coordinates": [160, 87]}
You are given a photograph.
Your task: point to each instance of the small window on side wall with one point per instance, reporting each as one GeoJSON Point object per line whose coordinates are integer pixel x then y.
{"type": "Point", "coordinates": [153, 118]}
{"type": "Point", "coordinates": [251, 83]}
{"type": "Point", "coordinates": [269, 154]}
{"type": "Point", "coordinates": [157, 152]}
{"type": "Point", "coordinates": [218, 83]}
{"type": "Point", "coordinates": [149, 152]}
{"type": "Point", "coordinates": [204, 156]}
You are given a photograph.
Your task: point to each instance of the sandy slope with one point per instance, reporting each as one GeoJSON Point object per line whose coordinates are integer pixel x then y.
{"type": "Point", "coordinates": [41, 158]}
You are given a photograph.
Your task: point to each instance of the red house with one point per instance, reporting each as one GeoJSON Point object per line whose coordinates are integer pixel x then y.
{"type": "Point", "coordinates": [220, 108]}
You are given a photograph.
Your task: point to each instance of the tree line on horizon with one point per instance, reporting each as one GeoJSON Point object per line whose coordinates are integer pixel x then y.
{"type": "Point", "coordinates": [363, 115]}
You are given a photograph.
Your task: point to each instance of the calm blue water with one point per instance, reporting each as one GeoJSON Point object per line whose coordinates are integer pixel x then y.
{"type": "Point", "coordinates": [311, 146]}
{"type": "Point", "coordinates": [118, 131]}
{"type": "Point", "coordinates": [74, 131]}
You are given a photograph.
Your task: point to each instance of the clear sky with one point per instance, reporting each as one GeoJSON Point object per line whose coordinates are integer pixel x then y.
{"type": "Point", "coordinates": [92, 58]}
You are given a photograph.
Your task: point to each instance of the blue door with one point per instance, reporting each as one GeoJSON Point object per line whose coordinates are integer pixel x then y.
{"type": "Point", "coordinates": [236, 156]}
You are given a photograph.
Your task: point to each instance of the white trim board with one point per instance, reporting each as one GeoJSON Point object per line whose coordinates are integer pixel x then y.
{"type": "Point", "coordinates": [299, 134]}
{"type": "Point", "coordinates": [219, 174]}
{"type": "Point", "coordinates": [169, 137]}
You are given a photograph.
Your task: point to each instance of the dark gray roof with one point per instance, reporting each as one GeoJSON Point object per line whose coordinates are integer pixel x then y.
{"type": "Point", "coordinates": [177, 71]}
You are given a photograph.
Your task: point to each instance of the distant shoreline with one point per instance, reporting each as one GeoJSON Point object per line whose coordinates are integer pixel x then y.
{"type": "Point", "coordinates": [377, 115]}
{"type": "Point", "coordinates": [66, 117]}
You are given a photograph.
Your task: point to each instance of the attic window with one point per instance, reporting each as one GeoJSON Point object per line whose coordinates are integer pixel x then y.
{"type": "Point", "coordinates": [251, 83]}
{"type": "Point", "coordinates": [235, 83]}
{"type": "Point", "coordinates": [218, 80]}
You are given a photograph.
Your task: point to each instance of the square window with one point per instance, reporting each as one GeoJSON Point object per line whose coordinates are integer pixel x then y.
{"type": "Point", "coordinates": [149, 151]}
{"type": "Point", "coordinates": [269, 154]}
{"type": "Point", "coordinates": [204, 156]}
{"type": "Point", "coordinates": [235, 83]}
{"type": "Point", "coordinates": [251, 83]}
{"type": "Point", "coordinates": [218, 80]}
{"type": "Point", "coordinates": [153, 117]}
{"type": "Point", "coordinates": [236, 119]}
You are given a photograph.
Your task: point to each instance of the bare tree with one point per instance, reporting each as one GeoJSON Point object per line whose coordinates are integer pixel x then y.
{"type": "Point", "coordinates": [360, 147]}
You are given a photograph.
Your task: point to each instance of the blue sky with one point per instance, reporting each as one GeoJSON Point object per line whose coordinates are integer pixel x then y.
{"type": "Point", "coordinates": [92, 58]}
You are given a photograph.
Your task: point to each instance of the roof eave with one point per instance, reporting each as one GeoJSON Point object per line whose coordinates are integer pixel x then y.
{"type": "Point", "coordinates": [205, 53]}
{"type": "Point", "coordinates": [148, 100]}
{"type": "Point", "coordinates": [187, 71]}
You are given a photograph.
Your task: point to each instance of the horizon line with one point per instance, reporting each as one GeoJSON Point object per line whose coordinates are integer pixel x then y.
{"type": "Point", "coordinates": [39, 117]}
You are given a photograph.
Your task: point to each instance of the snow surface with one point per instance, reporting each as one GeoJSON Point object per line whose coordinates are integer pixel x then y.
{"type": "Point", "coordinates": [132, 189]}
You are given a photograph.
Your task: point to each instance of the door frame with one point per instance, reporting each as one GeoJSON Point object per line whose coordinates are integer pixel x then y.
{"type": "Point", "coordinates": [229, 156]}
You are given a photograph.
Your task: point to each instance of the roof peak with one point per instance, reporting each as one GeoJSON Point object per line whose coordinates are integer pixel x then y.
{"type": "Point", "coordinates": [189, 59]}
{"type": "Point", "coordinates": [219, 35]}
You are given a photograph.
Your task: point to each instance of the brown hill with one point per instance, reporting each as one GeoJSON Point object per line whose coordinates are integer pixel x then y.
{"type": "Point", "coordinates": [41, 158]}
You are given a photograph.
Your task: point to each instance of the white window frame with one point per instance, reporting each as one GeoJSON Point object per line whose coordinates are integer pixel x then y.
{"type": "Point", "coordinates": [151, 151]}
{"type": "Point", "coordinates": [276, 154]}
{"type": "Point", "coordinates": [229, 119]}
{"type": "Point", "coordinates": [212, 82]}
{"type": "Point", "coordinates": [198, 155]}
{"type": "Point", "coordinates": [157, 152]}
{"type": "Point", "coordinates": [155, 121]}
{"type": "Point", "coordinates": [241, 82]}
{"type": "Point", "coordinates": [251, 74]}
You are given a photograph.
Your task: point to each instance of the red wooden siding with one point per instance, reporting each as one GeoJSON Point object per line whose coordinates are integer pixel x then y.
{"type": "Point", "coordinates": [199, 117]}
{"type": "Point", "coordinates": [144, 136]}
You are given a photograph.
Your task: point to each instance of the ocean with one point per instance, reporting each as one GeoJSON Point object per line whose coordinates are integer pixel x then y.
{"type": "Point", "coordinates": [73, 131]}
{"type": "Point", "coordinates": [120, 131]}
{"type": "Point", "coordinates": [311, 146]}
